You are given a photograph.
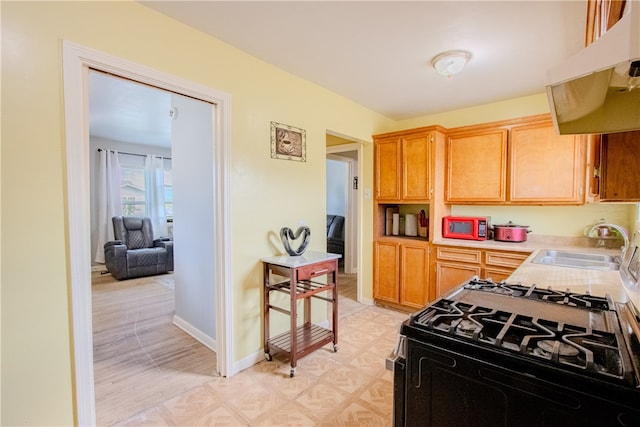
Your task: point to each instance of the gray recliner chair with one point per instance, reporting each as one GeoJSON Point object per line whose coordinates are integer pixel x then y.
{"type": "Point", "coordinates": [335, 235]}
{"type": "Point", "coordinates": [135, 253]}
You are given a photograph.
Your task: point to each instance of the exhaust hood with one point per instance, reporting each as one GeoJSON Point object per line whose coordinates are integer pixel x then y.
{"type": "Point", "coordinates": [598, 89]}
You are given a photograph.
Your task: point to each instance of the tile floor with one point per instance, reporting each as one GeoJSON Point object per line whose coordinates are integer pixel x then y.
{"type": "Point", "coordinates": [348, 388]}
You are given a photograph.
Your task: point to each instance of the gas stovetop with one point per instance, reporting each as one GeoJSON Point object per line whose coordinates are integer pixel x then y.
{"type": "Point", "coordinates": [578, 332]}
{"type": "Point", "coordinates": [547, 295]}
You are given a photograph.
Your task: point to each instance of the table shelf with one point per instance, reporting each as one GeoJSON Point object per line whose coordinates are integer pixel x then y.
{"type": "Point", "coordinates": [309, 337]}
{"type": "Point", "coordinates": [301, 340]}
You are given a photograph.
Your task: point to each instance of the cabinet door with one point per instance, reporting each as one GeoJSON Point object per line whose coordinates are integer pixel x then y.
{"type": "Point", "coordinates": [387, 169]}
{"type": "Point", "coordinates": [497, 274]}
{"type": "Point", "coordinates": [546, 167]}
{"type": "Point", "coordinates": [414, 275]}
{"type": "Point", "coordinates": [450, 275]}
{"type": "Point", "coordinates": [386, 273]}
{"type": "Point", "coordinates": [476, 167]}
{"type": "Point", "coordinates": [620, 167]}
{"type": "Point", "coordinates": [416, 159]}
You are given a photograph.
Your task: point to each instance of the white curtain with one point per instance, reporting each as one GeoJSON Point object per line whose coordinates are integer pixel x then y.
{"type": "Point", "coordinates": [109, 203]}
{"type": "Point", "coordinates": [154, 170]}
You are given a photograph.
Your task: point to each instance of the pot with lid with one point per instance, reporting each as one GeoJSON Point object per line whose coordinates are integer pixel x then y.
{"type": "Point", "coordinates": [510, 232]}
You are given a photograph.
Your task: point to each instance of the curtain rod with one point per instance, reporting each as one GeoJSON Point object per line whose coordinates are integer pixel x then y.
{"type": "Point", "coordinates": [134, 154]}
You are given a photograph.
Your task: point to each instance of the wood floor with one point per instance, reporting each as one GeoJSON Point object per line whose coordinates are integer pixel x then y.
{"type": "Point", "coordinates": [149, 372]}
{"type": "Point", "coordinates": [140, 358]}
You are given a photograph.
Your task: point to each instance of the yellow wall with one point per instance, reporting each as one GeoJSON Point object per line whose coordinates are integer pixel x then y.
{"type": "Point", "coordinates": [267, 194]}
{"type": "Point", "coordinates": [502, 110]}
{"type": "Point", "coordinates": [568, 221]}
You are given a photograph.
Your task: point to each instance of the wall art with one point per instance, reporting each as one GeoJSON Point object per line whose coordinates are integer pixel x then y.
{"type": "Point", "coordinates": [288, 142]}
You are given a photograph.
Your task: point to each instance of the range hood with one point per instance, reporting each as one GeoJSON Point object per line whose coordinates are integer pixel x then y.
{"type": "Point", "coordinates": [598, 89]}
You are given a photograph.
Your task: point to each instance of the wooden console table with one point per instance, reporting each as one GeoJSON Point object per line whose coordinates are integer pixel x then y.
{"type": "Point", "coordinates": [297, 278]}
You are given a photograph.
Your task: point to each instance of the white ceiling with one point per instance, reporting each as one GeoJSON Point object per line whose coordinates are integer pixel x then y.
{"type": "Point", "coordinates": [378, 53]}
{"type": "Point", "coordinates": [122, 110]}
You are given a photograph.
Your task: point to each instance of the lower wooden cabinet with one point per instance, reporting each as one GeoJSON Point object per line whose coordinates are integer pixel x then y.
{"type": "Point", "coordinates": [455, 265]}
{"type": "Point", "coordinates": [498, 265]}
{"type": "Point", "coordinates": [401, 273]}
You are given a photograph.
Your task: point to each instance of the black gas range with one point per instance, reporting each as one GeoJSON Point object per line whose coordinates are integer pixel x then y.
{"type": "Point", "coordinates": [500, 354]}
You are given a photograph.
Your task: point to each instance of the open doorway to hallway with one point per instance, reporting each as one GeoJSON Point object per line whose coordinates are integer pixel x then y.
{"type": "Point", "coordinates": [343, 211]}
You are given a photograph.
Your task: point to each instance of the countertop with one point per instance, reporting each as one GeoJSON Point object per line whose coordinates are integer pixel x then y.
{"type": "Point", "coordinates": [309, 257]}
{"type": "Point", "coordinates": [595, 282]}
{"type": "Point", "coordinates": [534, 242]}
{"type": "Point", "coordinates": [578, 280]}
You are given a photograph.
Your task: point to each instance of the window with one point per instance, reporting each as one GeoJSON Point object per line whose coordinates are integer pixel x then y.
{"type": "Point", "coordinates": [133, 186]}
{"type": "Point", "coordinates": [132, 190]}
{"type": "Point", "coordinates": [168, 194]}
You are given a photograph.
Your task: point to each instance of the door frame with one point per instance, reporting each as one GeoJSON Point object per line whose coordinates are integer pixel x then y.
{"type": "Point", "coordinates": [77, 60]}
{"type": "Point", "coordinates": [354, 223]}
{"type": "Point", "coordinates": [350, 232]}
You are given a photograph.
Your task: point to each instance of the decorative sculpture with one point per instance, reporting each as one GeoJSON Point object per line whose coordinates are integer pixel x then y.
{"type": "Point", "coordinates": [286, 234]}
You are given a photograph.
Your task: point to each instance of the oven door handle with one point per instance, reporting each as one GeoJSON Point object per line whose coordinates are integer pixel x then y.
{"type": "Point", "coordinates": [399, 352]}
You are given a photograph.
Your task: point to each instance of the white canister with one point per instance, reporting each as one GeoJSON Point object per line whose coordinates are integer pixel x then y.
{"type": "Point", "coordinates": [396, 224]}
{"type": "Point", "coordinates": [411, 225]}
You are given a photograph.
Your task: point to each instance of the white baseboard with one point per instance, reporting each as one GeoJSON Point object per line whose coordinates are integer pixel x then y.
{"type": "Point", "coordinates": [98, 268]}
{"type": "Point", "coordinates": [367, 301]}
{"type": "Point", "coordinates": [248, 361]}
{"type": "Point", "coordinates": [195, 333]}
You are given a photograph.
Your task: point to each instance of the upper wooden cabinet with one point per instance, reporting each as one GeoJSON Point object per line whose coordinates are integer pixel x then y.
{"type": "Point", "coordinates": [416, 167]}
{"type": "Point", "coordinates": [520, 161]}
{"type": "Point", "coordinates": [616, 156]}
{"type": "Point", "coordinates": [617, 165]}
{"type": "Point", "coordinates": [476, 166]}
{"type": "Point", "coordinates": [546, 167]}
{"type": "Point", "coordinates": [402, 165]}
{"type": "Point", "coordinates": [388, 169]}
{"type": "Point", "coordinates": [601, 16]}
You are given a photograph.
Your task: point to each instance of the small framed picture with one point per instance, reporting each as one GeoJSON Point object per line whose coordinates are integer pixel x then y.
{"type": "Point", "coordinates": [288, 142]}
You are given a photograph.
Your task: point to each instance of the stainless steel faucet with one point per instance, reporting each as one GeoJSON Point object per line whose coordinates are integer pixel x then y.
{"type": "Point", "coordinates": [620, 230]}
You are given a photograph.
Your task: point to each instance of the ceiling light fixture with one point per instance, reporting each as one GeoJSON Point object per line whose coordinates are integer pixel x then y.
{"type": "Point", "coordinates": [450, 62]}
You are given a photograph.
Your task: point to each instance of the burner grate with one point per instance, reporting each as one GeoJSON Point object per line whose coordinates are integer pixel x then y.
{"type": "Point", "coordinates": [559, 343]}
{"type": "Point", "coordinates": [547, 295]}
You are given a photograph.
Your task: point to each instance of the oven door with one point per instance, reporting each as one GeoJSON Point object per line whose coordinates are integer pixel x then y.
{"type": "Point", "coordinates": [396, 363]}
{"type": "Point", "coordinates": [399, 383]}
{"type": "Point", "coordinates": [452, 385]}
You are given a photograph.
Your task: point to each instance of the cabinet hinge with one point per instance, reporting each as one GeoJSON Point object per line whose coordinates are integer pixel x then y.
{"type": "Point", "coordinates": [596, 172]}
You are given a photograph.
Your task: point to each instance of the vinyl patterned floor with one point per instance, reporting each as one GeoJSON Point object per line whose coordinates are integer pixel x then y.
{"type": "Point", "coordinates": [149, 373]}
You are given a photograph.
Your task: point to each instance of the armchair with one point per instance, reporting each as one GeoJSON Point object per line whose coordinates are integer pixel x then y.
{"type": "Point", "coordinates": [335, 235]}
{"type": "Point", "coordinates": [135, 253]}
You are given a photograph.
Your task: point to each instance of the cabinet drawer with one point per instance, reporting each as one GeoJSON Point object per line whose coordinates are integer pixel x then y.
{"type": "Point", "coordinates": [473, 256]}
{"type": "Point", "coordinates": [310, 271]}
{"type": "Point", "coordinates": [506, 259]}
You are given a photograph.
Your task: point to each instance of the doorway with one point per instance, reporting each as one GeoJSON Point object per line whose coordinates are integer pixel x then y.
{"type": "Point", "coordinates": [345, 155]}
{"type": "Point", "coordinates": [149, 326]}
{"type": "Point", "coordinates": [77, 61]}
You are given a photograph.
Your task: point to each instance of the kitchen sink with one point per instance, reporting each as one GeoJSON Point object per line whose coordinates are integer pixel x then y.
{"type": "Point", "coordinates": [588, 261]}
